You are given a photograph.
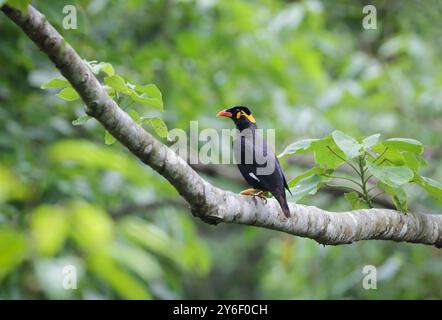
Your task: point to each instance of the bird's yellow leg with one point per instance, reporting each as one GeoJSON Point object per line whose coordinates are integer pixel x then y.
{"type": "Point", "coordinates": [249, 192]}
{"type": "Point", "coordinates": [262, 195]}
{"type": "Point", "coordinates": [255, 193]}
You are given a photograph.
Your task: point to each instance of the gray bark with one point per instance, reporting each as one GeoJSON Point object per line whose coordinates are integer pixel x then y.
{"type": "Point", "coordinates": [206, 201]}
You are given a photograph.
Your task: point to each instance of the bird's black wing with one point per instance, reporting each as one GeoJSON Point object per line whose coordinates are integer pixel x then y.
{"type": "Point", "coordinates": [262, 170]}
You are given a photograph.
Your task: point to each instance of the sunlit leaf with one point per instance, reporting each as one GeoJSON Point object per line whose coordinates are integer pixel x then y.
{"type": "Point", "coordinates": [388, 156]}
{"type": "Point", "coordinates": [11, 188]}
{"type": "Point", "coordinates": [158, 125]}
{"type": "Point", "coordinates": [355, 201]}
{"type": "Point", "coordinates": [118, 83]}
{"type": "Point", "coordinates": [149, 236]}
{"type": "Point", "coordinates": [301, 146]}
{"type": "Point", "coordinates": [91, 155]}
{"type": "Point", "coordinates": [55, 83]}
{"type": "Point", "coordinates": [92, 228]}
{"type": "Point", "coordinates": [397, 195]}
{"type": "Point", "coordinates": [347, 144]}
{"type": "Point", "coordinates": [108, 69]}
{"type": "Point", "coordinates": [410, 145]}
{"type": "Point", "coordinates": [109, 138]}
{"type": "Point", "coordinates": [370, 141]}
{"type": "Point", "coordinates": [68, 94]}
{"type": "Point", "coordinates": [308, 173]}
{"type": "Point", "coordinates": [135, 116]}
{"type": "Point", "coordinates": [147, 101]}
{"type": "Point", "coordinates": [411, 161]}
{"type": "Point", "coordinates": [21, 5]}
{"type": "Point", "coordinates": [194, 253]}
{"type": "Point", "coordinates": [307, 186]}
{"type": "Point", "coordinates": [105, 67]}
{"type": "Point", "coordinates": [151, 90]}
{"type": "Point", "coordinates": [13, 249]}
{"type": "Point", "coordinates": [49, 227]}
{"type": "Point", "coordinates": [433, 187]}
{"type": "Point", "coordinates": [137, 260]}
{"type": "Point", "coordinates": [327, 153]}
{"type": "Point", "coordinates": [391, 176]}
{"type": "Point", "coordinates": [82, 120]}
{"type": "Point", "coordinates": [119, 279]}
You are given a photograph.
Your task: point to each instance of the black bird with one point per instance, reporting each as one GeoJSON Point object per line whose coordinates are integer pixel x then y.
{"type": "Point", "coordinates": [255, 159]}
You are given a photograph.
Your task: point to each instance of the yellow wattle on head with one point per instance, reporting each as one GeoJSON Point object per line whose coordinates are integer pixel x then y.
{"type": "Point", "coordinates": [249, 117]}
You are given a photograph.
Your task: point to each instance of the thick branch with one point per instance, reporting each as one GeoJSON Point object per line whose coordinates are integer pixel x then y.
{"type": "Point", "coordinates": [212, 204]}
{"type": "Point", "coordinates": [231, 173]}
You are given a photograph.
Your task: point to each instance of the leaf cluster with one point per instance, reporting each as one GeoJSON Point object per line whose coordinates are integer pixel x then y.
{"type": "Point", "coordinates": [375, 167]}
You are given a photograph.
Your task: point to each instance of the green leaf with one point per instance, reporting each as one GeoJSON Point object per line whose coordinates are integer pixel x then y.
{"type": "Point", "coordinates": [11, 188]}
{"type": "Point", "coordinates": [55, 83]}
{"type": "Point", "coordinates": [355, 201]}
{"type": "Point", "coordinates": [411, 161]}
{"type": "Point", "coordinates": [108, 138]}
{"type": "Point", "coordinates": [13, 249]}
{"type": "Point", "coordinates": [327, 153]}
{"type": "Point", "coordinates": [150, 236]}
{"type": "Point", "coordinates": [194, 253]}
{"type": "Point", "coordinates": [49, 227]}
{"type": "Point", "coordinates": [21, 5]}
{"type": "Point", "coordinates": [307, 186]}
{"type": "Point", "coordinates": [82, 120]}
{"type": "Point", "coordinates": [392, 155]}
{"type": "Point", "coordinates": [397, 195]}
{"type": "Point", "coordinates": [370, 141]}
{"type": "Point", "coordinates": [392, 176]}
{"type": "Point", "coordinates": [121, 280]}
{"type": "Point", "coordinates": [105, 67]}
{"type": "Point", "coordinates": [301, 146]}
{"type": "Point", "coordinates": [135, 116]}
{"type": "Point", "coordinates": [108, 69]}
{"type": "Point", "coordinates": [68, 94]}
{"type": "Point", "coordinates": [347, 144]}
{"type": "Point", "coordinates": [410, 145]}
{"type": "Point", "coordinates": [433, 187]}
{"type": "Point", "coordinates": [137, 260]}
{"type": "Point", "coordinates": [87, 155]}
{"type": "Point", "coordinates": [159, 126]}
{"type": "Point", "coordinates": [92, 228]}
{"type": "Point", "coordinates": [308, 173]}
{"type": "Point", "coordinates": [118, 83]}
{"type": "Point", "coordinates": [150, 102]}
{"type": "Point", "coordinates": [151, 90]}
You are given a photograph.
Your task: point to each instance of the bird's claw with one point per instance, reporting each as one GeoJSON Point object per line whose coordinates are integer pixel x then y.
{"type": "Point", "coordinates": [262, 196]}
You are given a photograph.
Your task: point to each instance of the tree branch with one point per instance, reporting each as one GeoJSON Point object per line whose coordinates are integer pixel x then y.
{"type": "Point", "coordinates": [212, 204]}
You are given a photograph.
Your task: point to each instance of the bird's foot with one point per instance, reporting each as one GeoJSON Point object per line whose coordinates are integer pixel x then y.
{"type": "Point", "coordinates": [262, 195]}
{"type": "Point", "coordinates": [249, 192]}
{"type": "Point", "coordinates": [255, 193]}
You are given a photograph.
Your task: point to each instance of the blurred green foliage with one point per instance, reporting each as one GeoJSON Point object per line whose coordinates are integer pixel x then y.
{"type": "Point", "coordinates": [305, 68]}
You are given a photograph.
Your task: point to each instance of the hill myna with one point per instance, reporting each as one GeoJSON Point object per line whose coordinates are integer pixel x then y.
{"type": "Point", "coordinates": [255, 159]}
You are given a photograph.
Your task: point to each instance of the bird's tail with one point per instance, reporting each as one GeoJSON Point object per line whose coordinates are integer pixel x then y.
{"type": "Point", "coordinates": [282, 199]}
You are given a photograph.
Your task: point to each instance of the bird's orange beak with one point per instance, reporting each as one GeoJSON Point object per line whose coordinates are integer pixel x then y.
{"type": "Point", "coordinates": [224, 113]}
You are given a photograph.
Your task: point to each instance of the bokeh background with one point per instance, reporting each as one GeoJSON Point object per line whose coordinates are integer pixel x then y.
{"type": "Point", "coordinates": [305, 67]}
